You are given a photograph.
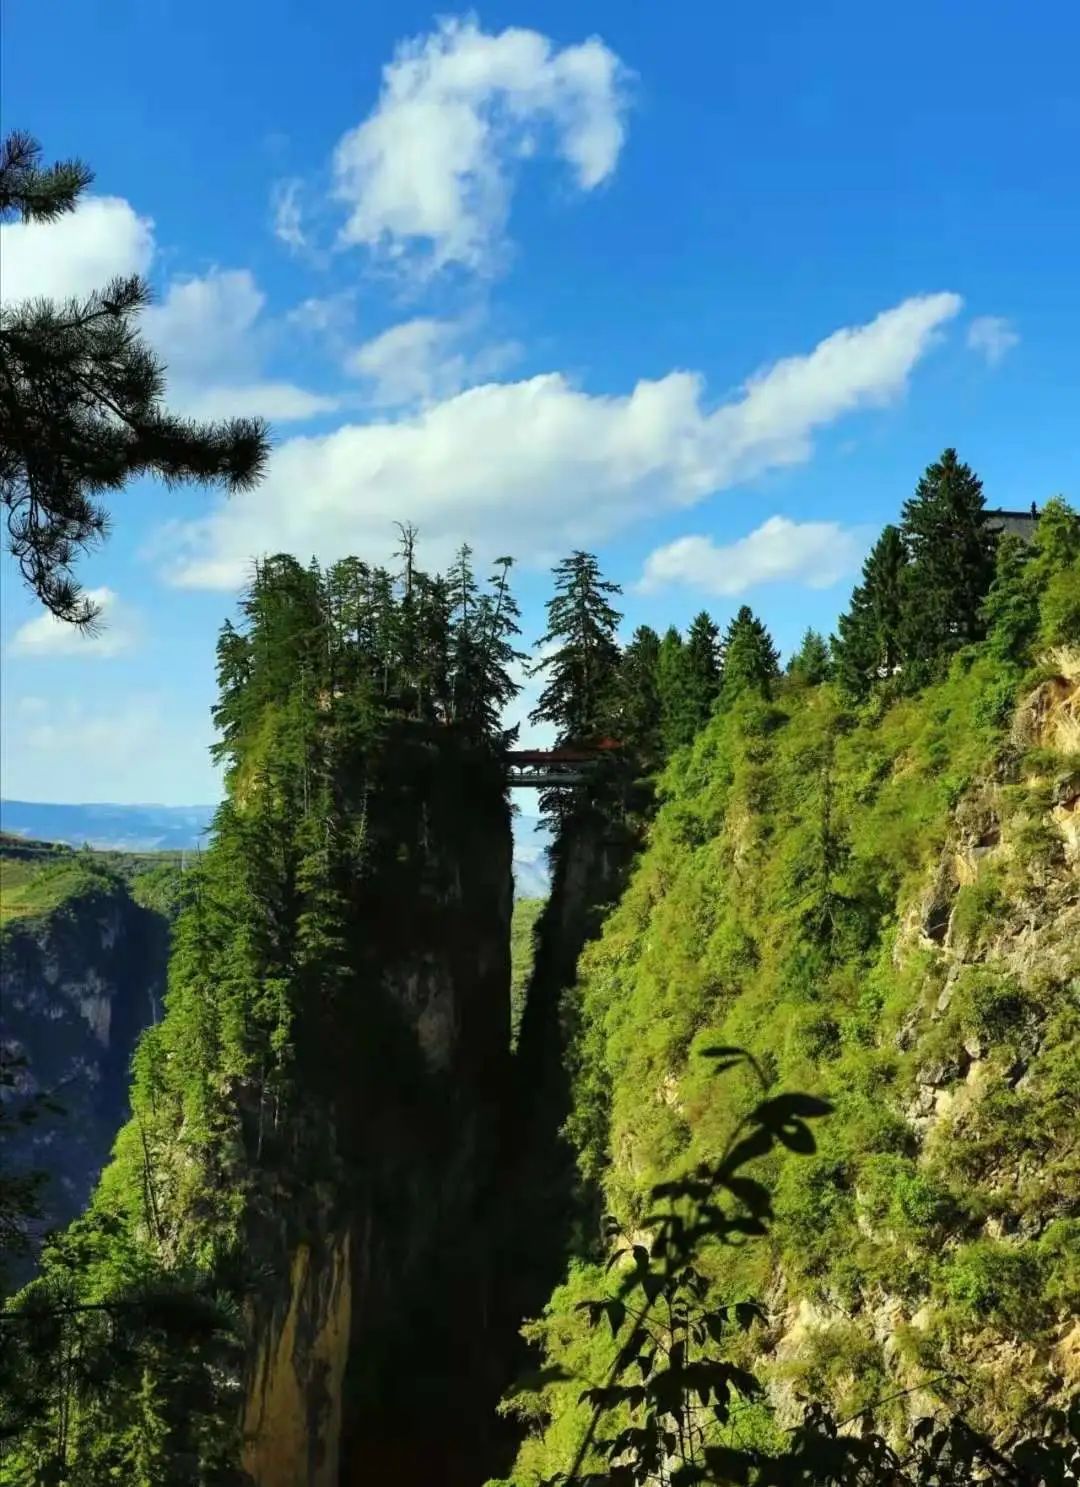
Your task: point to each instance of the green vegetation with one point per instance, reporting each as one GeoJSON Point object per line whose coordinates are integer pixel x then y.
{"type": "Point", "coordinates": [859, 874]}
{"type": "Point", "coordinates": [838, 887]}
{"type": "Point", "coordinates": [32, 889]}
{"type": "Point", "coordinates": [357, 712]}
{"type": "Point", "coordinates": [527, 912]}
{"type": "Point", "coordinates": [39, 878]}
{"type": "Point", "coordinates": [81, 408]}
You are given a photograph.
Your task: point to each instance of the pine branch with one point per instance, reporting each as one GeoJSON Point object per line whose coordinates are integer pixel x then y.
{"type": "Point", "coordinates": [34, 192]}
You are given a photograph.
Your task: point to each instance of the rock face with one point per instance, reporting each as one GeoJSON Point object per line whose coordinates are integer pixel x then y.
{"type": "Point", "coordinates": [390, 1238]}
{"type": "Point", "coordinates": [77, 987]}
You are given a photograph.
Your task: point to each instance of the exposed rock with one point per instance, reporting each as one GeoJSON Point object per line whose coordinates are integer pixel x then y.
{"type": "Point", "coordinates": [77, 987]}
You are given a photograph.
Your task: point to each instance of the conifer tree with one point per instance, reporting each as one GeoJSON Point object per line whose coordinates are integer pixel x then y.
{"type": "Point", "coordinates": [464, 637]}
{"type": "Point", "coordinates": [408, 618]}
{"type": "Point", "coordinates": [81, 405]}
{"type": "Point", "coordinates": [812, 662]}
{"type": "Point", "coordinates": [492, 652]}
{"type": "Point", "coordinates": [871, 633]}
{"type": "Point", "coordinates": [581, 671]}
{"type": "Point", "coordinates": [952, 560]}
{"type": "Point", "coordinates": [233, 673]}
{"type": "Point", "coordinates": [703, 655]}
{"type": "Point", "coordinates": [751, 660]}
{"type": "Point", "coordinates": [675, 682]}
{"type": "Point", "coordinates": [433, 658]}
{"type": "Point", "coordinates": [639, 695]}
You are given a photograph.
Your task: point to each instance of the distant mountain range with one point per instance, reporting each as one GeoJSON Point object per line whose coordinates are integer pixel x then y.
{"type": "Point", "coordinates": [531, 876]}
{"type": "Point", "coordinates": [160, 828]}
{"type": "Point", "coordinates": [131, 828]}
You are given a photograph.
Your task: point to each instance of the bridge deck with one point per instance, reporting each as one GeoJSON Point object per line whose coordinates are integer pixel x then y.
{"type": "Point", "coordinates": [545, 769]}
{"type": "Point", "coordinates": [545, 779]}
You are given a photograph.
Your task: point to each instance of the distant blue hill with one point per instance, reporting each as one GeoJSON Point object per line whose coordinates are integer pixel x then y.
{"type": "Point", "coordinates": [161, 828]}
{"type": "Point", "coordinates": [131, 828]}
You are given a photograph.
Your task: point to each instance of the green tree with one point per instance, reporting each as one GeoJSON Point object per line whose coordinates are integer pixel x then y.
{"type": "Point", "coordinates": [812, 662]}
{"type": "Point", "coordinates": [1034, 599]}
{"type": "Point", "coordinates": [579, 697]}
{"type": "Point", "coordinates": [81, 405]}
{"type": "Point", "coordinates": [751, 660]}
{"type": "Point", "coordinates": [704, 666]}
{"type": "Point", "coordinates": [675, 682]}
{"type": "Point", "coordinates": [433, 648]}
{"type": "Point", "coordinates": [639, 714]}
{"type": "Point", "coordinates": [493, 653]}
{"type": "Point", "coordinates": [870, 640]}
{"type": "Point", "coordinates": [952, 561]}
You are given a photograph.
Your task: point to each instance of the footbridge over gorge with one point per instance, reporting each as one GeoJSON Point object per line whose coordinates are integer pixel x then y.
{"type": "Point", "coordinates": [546, 769]}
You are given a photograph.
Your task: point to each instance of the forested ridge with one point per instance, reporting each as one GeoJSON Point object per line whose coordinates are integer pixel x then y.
{"type": "Point", "coordinates": [862, 883]}
{"type": "Point", "coordinates": [772, 1156]}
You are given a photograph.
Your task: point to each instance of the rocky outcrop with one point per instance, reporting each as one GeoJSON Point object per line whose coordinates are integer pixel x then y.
{"type": "Point", "coordinates": [996, 934]}
{"type": "Point", "coordinates": [292, 1418]}
{"type": "Point", "coordinates": [77, 986]}
{"type": "Point", "coordinates": [375, 1223]}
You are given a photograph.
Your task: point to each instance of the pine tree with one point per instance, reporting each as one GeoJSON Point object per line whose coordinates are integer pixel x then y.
{"type": "Point", "coordinates": [81, 409]}
{"type": "Point", "coordinates": [487, 684]}
{"type": "Point", "coordinates": [233, 673]}
{"type": "Point", "coordinates": [675, 683]}
{"type": "Point", "coordinates": [408, 618]}
{"type": "Point", "coordinates": [952, 560]}
{"type": "Point", "coordinates": [498, 628]}
{"type": "Point", "coordinates": [871, 633]}
{"type": "Point", "coordinates": [751, 661]}
{"type": "Point", "coordinates": [581, 671]}
{"type": "Point", "coordinates": [639, 714]}
{"type": "Point", "coordinates": [434, 643]}
{"type": "Point", "coordinates": [812, 662]}
{"type": "Point", "coordinates": [464, 639]}
{"type": "Point", "coordinates": [703, 655]}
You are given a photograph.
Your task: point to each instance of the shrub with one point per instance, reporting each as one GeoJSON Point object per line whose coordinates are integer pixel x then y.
{"type": "Point", "coordinates": [990, 1281]}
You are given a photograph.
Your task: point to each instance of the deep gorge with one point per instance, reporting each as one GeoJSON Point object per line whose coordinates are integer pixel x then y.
{"type": "Point", "coordinates": [349, 1233]}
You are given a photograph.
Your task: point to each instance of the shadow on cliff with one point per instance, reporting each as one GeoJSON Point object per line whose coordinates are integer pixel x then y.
{"type": "Point", "coordinates": [543, 1212]}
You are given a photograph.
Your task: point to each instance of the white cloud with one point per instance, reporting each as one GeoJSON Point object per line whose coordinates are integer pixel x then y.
{"type": "Point", "coordinates": [814, 553]}
{"type": "Point", "coordinates": [208, 323]}
{"type": "Point", "coordinates": [45, 635]}
{"type": "Point", "coordinates": [531, 466]}
{"type": "Point", "coordinates": [288, 217]}
{"type": "Point", "coordinates": [278, 402]}
{"type": "Point", "coordinates": [423, 359]}
{"type": "Point", "coordinates": [68, 750]}
{"type": "Point", "coordinates": [70, 258]}
{"type": "Point", "coordinates": [214, 339]}
{"type": "Point", "coordinates": [125, 746]}
{"type": "Point", "coordinates": [328, 316]}
{"type": "Point", "coordinates": [992, 337]}
{"type": "Point", "coordinates": [433, 164]}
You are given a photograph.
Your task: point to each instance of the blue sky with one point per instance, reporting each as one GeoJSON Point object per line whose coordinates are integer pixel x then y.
{"type": "Point", "coordinates": [702, 287]}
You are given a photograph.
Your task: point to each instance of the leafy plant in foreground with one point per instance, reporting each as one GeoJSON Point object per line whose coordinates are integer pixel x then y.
{"type": "Point", "coordinates": [668, 1412]}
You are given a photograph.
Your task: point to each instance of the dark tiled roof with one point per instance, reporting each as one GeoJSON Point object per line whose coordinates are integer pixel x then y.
{"type": "Point", "coordinates": [1017, 523]}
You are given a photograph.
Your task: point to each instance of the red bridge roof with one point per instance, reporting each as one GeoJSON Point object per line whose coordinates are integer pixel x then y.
{"type": "Point", "coordinates": [584, 755]}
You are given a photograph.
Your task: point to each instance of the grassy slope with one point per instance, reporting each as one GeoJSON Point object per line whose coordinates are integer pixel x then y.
{"type": "Point", "coordinates": [33, 886]}
{"type": "Point", "coordinates": [522, 950]}
{"type": "Point", "coordinates": [911, 1244]}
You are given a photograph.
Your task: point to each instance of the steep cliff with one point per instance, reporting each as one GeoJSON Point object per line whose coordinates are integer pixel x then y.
{"type": "Point", "coordinates": [290, 1257]}
{"type": "Point", "coordinates": [82, 973]}
{"type": "Point", "coordinates": [883, 905]}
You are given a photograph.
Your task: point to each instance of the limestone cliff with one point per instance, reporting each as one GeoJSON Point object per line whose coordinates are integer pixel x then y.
{"type": "Point", "coordinates": [389, 1241]}
{"type": "Point", "coordinates": [80, 977]}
